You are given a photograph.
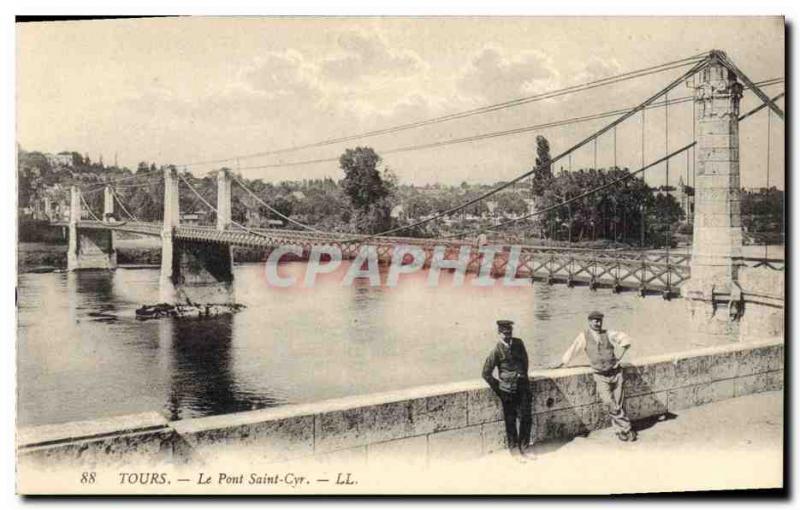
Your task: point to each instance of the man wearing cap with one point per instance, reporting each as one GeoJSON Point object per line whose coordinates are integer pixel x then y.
{"type": "Point", "coordinates": [601, 347]}
{"type": "Point", "coordinates": [511, 385]}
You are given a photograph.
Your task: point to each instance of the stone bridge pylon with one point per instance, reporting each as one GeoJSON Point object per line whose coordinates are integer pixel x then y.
{"type": "Point", "coordinates": [713, 293]}
{"type": "Point", "coordinates": [195, 271]}
{"type": "Point", "coordinates": [89, 248]}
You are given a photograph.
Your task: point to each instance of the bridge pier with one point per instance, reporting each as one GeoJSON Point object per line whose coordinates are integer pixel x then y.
{"type": "Point", "coordinates": [713, 293]}
{"type": "Point", "coordinates": [195, 271]}
{"type": "Point", "coordinates": [87, 248]}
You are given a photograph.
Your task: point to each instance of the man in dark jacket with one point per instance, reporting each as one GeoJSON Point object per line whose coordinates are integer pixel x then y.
{"type": "Point", "coordinates": [510, 359]}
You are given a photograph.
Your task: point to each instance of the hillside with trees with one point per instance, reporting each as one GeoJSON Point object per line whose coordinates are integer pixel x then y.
{"type": "Point", "coordinates": [368, 198]}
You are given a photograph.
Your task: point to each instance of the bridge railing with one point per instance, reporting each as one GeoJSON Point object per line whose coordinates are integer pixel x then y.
{"type": "Point", "coordinates": [265, 237]}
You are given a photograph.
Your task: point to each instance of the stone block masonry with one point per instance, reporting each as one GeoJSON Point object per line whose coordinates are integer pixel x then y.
{"type": "Point", "coordinates": [418, 426]}
{"type": "Point", "coordinates": [713, 293]}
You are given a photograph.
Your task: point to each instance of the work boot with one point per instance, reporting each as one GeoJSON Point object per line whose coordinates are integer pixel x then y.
{"type": "Point", "coordinates": [527, 453]}
{"type": "Point", "coordinates": [516, 454]}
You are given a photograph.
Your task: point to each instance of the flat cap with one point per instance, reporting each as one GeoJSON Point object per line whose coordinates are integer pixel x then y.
{"type": "Point", "coordinates": [595, 315]}
{"type": "Point", "coordinates": [505, 323]}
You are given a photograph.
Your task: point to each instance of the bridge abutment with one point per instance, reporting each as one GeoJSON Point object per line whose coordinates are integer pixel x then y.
{"type": "Point", "coordinates": [194, 271]}
{"type": "Point", "coordinates": [713, 293]}
{"type": "Point", "coordinates": [88, 248]}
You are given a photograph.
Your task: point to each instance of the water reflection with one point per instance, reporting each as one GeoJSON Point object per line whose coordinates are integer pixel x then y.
{"type": "Point", "coordinates": [94, 289]}
{"type": "Point", "coordinates": [543, 304]}
{"type": "Point", "coordinates": [202, 379]}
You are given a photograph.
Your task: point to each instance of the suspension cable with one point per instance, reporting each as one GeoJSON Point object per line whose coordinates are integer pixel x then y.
{"type": "Point", "coordinates": [89, 192]}
{"type": "Point", "coordinates": [476, 111]}
{"type": "Point", "coordinates": [694, 136]}
{"type": "Point", "coordinates": [642, 170]}
{"type": "Point", "coordinates": [151, 180]}
{"type": "Point", "coordinates": [119, 201]}
{"type": "Point", "coordinates": [644, 174]}
{"type": "Point", "coordinates": [769, 151]}
{"type": "Point", "coordinates": [272, 209]}
{"type": "Point", "coordinates": [88, 209]}
{"type": "Point", "coordinates": [487, 135]}
{"type": "Point", "coordinates": [728, 63]}
{"type": "Point", "coordinates": [578, 145]}
{"type": "Point", "coordinates": [126, 178]}
{"type": "Point", "coordinates": [667, 195]}
{"type": "Point", "coordinates": [761, 106]}
{"type": "Point", "coordinates": [207, 204]}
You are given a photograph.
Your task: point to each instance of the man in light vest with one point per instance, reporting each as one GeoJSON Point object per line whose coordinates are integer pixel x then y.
{"type": "Point", "coordinates": [601, 347]}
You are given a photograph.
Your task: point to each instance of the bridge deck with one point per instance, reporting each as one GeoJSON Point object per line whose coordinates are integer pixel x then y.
{"type": "Point", "coordinates": [643, 270]}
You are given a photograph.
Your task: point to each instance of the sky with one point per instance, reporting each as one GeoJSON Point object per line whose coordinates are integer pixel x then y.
{"type": "Point", "coordinates": [188, 90]}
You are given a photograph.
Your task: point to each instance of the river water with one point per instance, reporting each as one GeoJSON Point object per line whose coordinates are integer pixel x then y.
{"type": "Point", "coordinates": [83, 355]}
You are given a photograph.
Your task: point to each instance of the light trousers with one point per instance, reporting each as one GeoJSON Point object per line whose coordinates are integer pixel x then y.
{"type": "Point", "coordinates": [609, 388]}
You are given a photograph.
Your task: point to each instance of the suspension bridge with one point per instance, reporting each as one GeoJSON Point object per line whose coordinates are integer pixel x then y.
{"type": "Point", "coordinates": [197, 261]}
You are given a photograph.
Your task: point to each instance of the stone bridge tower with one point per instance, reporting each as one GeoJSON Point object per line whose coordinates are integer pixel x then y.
{"type": "Point", "coordinates": [713, 293]}
{"type": "Point", "coordinates": [87, 248]}
{"type": "Point", "coordinates": [195, 271]}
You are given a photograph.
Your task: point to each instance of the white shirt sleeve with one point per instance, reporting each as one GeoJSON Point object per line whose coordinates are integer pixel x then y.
{"type": "Point", "coordinates": [577, 344]}
{"type": "Point", "coordinates": [619, 339]}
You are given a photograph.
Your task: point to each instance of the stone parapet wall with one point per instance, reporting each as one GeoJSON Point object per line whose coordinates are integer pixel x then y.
{"type": "Point", "coordinates": [763, 291]}
{"type": "Point", "coordinates": [451, 421]}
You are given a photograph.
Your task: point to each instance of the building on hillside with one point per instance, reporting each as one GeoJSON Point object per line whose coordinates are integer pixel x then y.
{"type": "Point", "coordinates": [253, 218]}
{"type": "Point", "coordinates": [49, 204]}
{"type": "Point", "coordinates": [60, 159]}
{"type": "Point", "coordinates": [198, 217]}
{"type": "Point", "coordinates": [398, 211]}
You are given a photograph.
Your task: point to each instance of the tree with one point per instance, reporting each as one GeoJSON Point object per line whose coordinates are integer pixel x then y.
{"type": "Point", "coordinates": [614, 213]}
{"type": "Point", "coordinates": [762, 212]}
{"type": "Point", "coordinates": [510, 203]}
{"type": "Point", "coordinates": [662, 216]}
{"type": "Point", "coordinates": [542, 173]}
{"type": "Point", "coordinates": [362, 182]}
{"type": "Point", "coordinates": [366, 189]}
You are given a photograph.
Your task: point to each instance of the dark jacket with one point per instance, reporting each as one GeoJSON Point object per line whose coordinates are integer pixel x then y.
{"type": "Point", "coordinates": [511, 363]}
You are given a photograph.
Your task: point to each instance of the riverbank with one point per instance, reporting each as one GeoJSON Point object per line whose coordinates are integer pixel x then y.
{"type": "Point", "coordinates": [41, 257]}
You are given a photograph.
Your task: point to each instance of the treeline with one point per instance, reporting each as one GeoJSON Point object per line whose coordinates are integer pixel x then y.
{"type": "Point", "coordinates": [369, 199]}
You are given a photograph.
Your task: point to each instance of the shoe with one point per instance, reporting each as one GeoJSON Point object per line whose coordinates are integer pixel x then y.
{"type": "Point", "coordinates": [517, 455]}
{"type": "Point", "coordinates": [527, 454]}
{"type": "Point", "coordinates": [633, 435]}
{"type": "Point", "coordinates": [623, 436]}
